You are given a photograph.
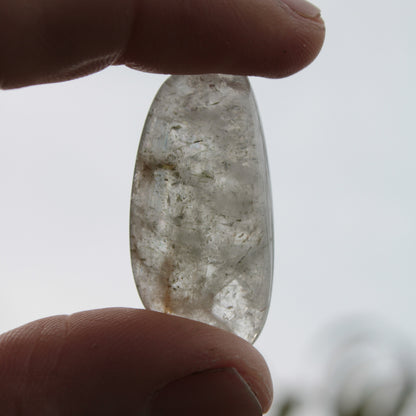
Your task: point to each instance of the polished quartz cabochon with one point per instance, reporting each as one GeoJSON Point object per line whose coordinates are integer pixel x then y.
{"type": "Point", "coordinates": [201, 225]}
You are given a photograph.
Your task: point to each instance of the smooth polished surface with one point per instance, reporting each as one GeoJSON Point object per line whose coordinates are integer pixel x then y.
{"type": "Point", "coordinates": [201, 213]}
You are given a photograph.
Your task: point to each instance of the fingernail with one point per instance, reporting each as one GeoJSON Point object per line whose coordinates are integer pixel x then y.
{"type": "Point", "coordinates": [304, 8]}
{"type": "Point", "coordinates": [221, 392]}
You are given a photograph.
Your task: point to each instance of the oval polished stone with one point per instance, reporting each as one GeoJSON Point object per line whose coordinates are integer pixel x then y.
{"type": "Point", "coordinates": [201, 224]}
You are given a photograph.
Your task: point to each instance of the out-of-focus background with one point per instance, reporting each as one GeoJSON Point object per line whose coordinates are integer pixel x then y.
{"type": "Point", "coordinates": [341, 137]}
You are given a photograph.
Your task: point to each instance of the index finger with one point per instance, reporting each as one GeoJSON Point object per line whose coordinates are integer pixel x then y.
{"type": "Point", "coordinates": [53, 40]}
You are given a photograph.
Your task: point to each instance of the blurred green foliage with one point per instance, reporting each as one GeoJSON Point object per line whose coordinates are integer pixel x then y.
{"type": "Point", "coordinates": [366, 375]}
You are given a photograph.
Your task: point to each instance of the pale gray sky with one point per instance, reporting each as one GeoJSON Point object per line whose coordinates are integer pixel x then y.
{"type": "Point", "coordinates": [342, 148]}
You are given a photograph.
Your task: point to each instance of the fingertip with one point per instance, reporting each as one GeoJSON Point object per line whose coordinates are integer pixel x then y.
{"type": "Point", "coordinates": [113, 360]}
{"type": "Point", "coordinates": [220, 392]}
{"type": "Point", "coordinates": [266, 38]}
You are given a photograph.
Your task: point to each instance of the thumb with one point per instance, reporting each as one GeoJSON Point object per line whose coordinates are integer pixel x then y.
{"type": "Point", "coordinates": [129, 362]}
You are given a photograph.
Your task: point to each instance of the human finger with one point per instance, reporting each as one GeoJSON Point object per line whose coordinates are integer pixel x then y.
{"type": "Point", "coordinates": [54, 40]}
{"type": "Point", "coordinates": [129, 362]}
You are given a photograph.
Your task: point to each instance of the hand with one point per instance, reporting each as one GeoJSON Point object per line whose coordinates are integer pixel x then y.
{"type": "Point", "coordinates": [54, 40]}
{"type": "Point", "coordinates": [124, 361]}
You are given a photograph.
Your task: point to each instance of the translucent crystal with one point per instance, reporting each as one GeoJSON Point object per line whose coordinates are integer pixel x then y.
{"type": "Point", "coordinates": [201, 212]}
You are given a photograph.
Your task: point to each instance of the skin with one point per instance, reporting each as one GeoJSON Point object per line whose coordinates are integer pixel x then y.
{"type": "Point", "coordinates": [108, 361]}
